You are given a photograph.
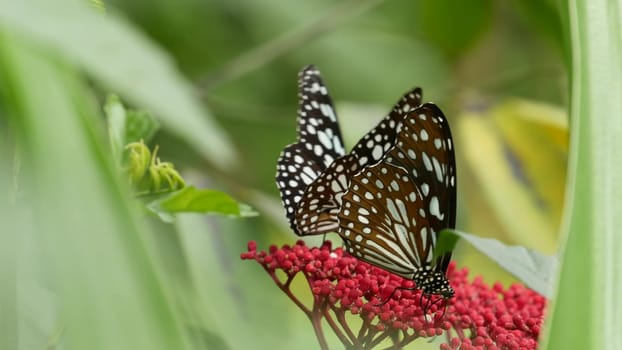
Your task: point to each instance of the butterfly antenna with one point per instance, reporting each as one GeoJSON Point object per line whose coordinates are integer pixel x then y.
{"type": "Point", "coordinates": [445, 305]}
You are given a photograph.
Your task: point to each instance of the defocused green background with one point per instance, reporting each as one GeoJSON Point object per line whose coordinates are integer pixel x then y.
{"type": "Point", "coordinates": [496, 68]}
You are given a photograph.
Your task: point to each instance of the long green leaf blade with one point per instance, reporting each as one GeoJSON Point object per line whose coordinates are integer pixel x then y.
{"type": "Point", "coordinates": [588, 303]}
{"type": "Point", "coordinates": [90, 244]}
{"type": "Point", "coordinates": [117, 55]}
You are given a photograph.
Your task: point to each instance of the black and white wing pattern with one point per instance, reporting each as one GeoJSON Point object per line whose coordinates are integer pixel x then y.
{"type": "Point", "coordinates": [318, 209]}
{"type": "Point", "coordinates": [317, 212]}
{"type": "Point", "coordinates": [393, 210]}
{"type": "Point", "coordinates": [424, 148]}
{"type": "Point", "coordinates": [371, 148]}
{"type": "Point", "coordinates": [319, 142]}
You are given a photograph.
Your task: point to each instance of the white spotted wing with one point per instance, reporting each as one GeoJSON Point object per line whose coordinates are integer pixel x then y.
{"type": "Point", "coordinates": [372, 147]}
{"type": "Point", "coordinates": [319, 142]}
{"type": "Point", "coordinates": [381, 221]}
{"type": "Point", "coordinates": [419, 171]}
{"type": "Point", "coordinates": [424, 148]}
{"type": "Point", "coordinates": [316, 213]}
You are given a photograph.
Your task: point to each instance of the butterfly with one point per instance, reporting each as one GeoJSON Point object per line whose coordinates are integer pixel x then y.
{"type": "Point", "coordinates": [314, 172]}
{"type": "Point", "coordinates": [393, 210]}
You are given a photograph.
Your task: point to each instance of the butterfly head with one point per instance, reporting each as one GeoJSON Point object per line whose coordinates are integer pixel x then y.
{"type": "Point", "coordinates": [433, 283]}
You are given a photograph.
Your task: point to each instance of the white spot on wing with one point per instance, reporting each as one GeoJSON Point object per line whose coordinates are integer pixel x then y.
{"type": "Point", "coordinates": [425, 189]}
{"type": "Point", "coordinates": [315, 87]}
{"type": "Point", "coordinates": [434, 209]}
{"type": "Point", "coordinates": [327, 110]}
{"type": "Point", "coordinates": [377, 152]}
{"type": "Point", "coordinates": [393, 210]}
{"type": "Point", "coordinates": [437, 143]}
{"type": "Point", "coordinates": [437, 169]}
{"type": "Point", "coordinates": [426, 161]}
{"type": "Point", "coordinates": [423, 134]}
{"type": "Point", "coordinates": [324, 140]}
{"type": "Point", "coordinates": [318, 150]}
{"type": "Point", "coordinates": [306, 178]}
{"type": "Point", "coordinates": [363, 219]}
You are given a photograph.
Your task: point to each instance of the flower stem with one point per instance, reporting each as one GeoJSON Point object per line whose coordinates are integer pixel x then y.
{"type": "Point", "coordinates": [316, 321]}
{"type": "Point", "coordinates": [324, 310]}
{"type": "Point", "coordinates": [340, 314]}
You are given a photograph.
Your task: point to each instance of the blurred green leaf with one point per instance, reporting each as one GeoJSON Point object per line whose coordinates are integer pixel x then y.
{"type": "Point", "coordinates": [190, 199]}
{"type": "Point", "coordinates": [127, 125]}
{"type": "Point", "coordinates": [90, 245]}
{"type": "Point", "coordinates": [9, 240]}
{"type": "Point", "coordinates": [299, 23]}
{"type": "Point", "coordinates": [544, 16]}
{"type": "Point", "coordinates": [387, 65]}
{"type": "Point", "coordinates": [140, 125]}
{"type": "Point", "coordinates": [237, 297]}
{"type": "Point", "coordinates": [116, 54]}
{"type": "Point", "coordinates": [452, 31]}
{"type": "Point", "coordinates": [117, 119]}
{"type": "Point", "coordinates": [205, 339]}
{"type": "Point", "coordinates": [533, 268]}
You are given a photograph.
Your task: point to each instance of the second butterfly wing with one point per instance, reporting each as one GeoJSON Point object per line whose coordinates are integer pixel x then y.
{"type": "Point", "coordinates": [317, 210]}
{"type": "Point", "coordinates": [424, 148]}
{"type": "Point", "coordinates": [319, 142]}
{"type": "Point", "coordinates": [392, 211]}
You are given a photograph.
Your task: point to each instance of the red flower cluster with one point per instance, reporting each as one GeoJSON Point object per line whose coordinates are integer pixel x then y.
{"type": "Point", "coordinates": [477, 317]}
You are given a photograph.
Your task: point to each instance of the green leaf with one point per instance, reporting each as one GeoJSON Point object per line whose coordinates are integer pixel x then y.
{"type": "Point", "coordinates": [116, 117]}
{"type": "Point", "coordinates": [450, 30]}
{"type": "Point", "coordinates": [118, 56]}
{"type": "Point", "coordinates": [9, 239]}
{"type": "Point", "coordinates": [140, 125]}
{"type": "Point", "coordinates": [533, 268]}
{"type": "Point", "coordinates": [84, 237]}
{"type": "Point", "coordinates": [206, 201]}
{"type": "Point", "coordinates": [590, 282]}
{"type": "Point", "coordinates": [544, 16]}
{"type": "Point", "coordinates": [236, 297]}
{"type": "Point", "coordinates": [127, 126]}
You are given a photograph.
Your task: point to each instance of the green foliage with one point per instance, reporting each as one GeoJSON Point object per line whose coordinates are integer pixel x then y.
{"type": "Point", "coordinates": [590, 284]}
{"type": "Point", "coordinates": [150, 177]}
{"type": "Point", "coordinates": [534, 269]}
{"type": "Point", "coordinates": [127, 129]}
{"type": "Point", "coordinates": [119, 57]}
{"type": "Point", "coordinates": [127, 126]}
{"type": "Point", "coordinates": [191, 199]}
{"type": "Point", "coordinates": [78, 228]}
{"type": "Point", "coordinates": [450, 30]}
{"type": "Point", "coordinates": [545, 17]}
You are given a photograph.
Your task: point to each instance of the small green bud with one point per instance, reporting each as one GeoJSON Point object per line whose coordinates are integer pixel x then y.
{"type": "Point", "coordinates": [139, 160]}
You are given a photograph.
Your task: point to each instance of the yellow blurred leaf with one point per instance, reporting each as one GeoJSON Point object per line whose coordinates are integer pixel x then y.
{"type": "Point", "coordinates": [516, 152]}
{"type": "Point", "coordinates": [537, 134]}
